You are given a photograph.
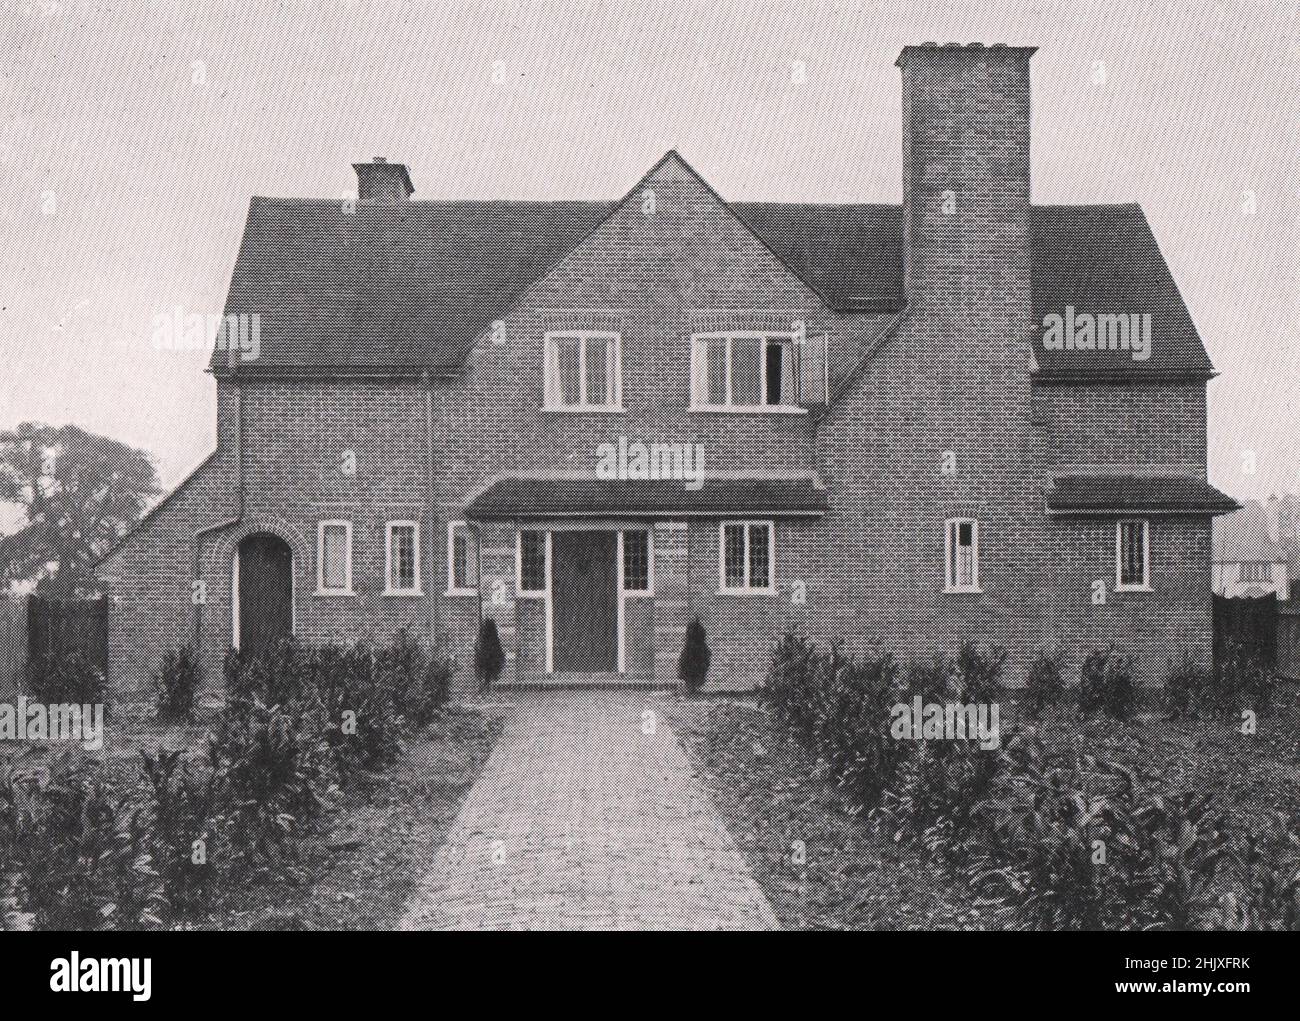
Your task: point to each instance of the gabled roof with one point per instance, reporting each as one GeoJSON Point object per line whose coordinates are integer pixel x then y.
{"type": "Point", "coordinates": [404, 287]}
{"type": "Point", "coordinates": [1169, 494]}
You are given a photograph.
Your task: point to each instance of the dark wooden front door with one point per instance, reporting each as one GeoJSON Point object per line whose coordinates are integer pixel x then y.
{"type": "Point", "coordinates": [584, 585]}
{"type": "Point", "coordinates": [265, 593]}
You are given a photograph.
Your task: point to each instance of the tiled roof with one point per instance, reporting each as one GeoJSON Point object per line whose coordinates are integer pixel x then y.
{"type": "Point", "coordinates": [517, 497]}
{"type": "Point", "coordinates": [1090, 493]}
{"type": "Point", "coordinates": [408, 286]}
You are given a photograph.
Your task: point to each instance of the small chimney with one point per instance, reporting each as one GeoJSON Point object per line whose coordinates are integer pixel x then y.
{"type": "Point", "coordinates": [381, 181]}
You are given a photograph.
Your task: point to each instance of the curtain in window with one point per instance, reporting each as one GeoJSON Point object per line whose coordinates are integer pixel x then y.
{"type": "Point", "coordinates": [335, 557]}
{"type": "Point", "coordinates": [554, 393]}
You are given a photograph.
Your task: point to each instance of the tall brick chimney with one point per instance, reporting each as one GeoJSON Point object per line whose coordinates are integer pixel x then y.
{"type": "Point", "coordinates": [965, 173]}
{"type": "Point", "coordinates": [381, 181]}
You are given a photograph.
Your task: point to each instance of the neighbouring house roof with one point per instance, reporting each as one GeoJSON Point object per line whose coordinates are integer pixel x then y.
{"type": "Point", "coordinates": [521, 497]}
{"type": "Point", "coordinates": [385, 288]}
{"type": "Point", "coordinates": [1163, 493]}
{"type": "Point", "coordinates": [1244, 535]}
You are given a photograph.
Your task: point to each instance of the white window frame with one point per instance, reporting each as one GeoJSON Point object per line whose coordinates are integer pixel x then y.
{"type": "Point", "coordinates": [452, 588]}
{"type": "Point", "coordinates": [321, 590]}
{"type": "Point", "coordinates": [1120, 585]}
{"type": "Point", "coordinates": [388, 558]}
{"type": "Point", "coordinates": [950, 528]}
{"type": "Point", "coordinates": [746, 589]}
{"type": "Point", "coordinates": [700, 341]}
{"type": "Point", "coordinates": [649, 590]}
{"type": "Point", "coordinates": [520, 591]}
{"type": "Point", "coordinates": [582, 336]}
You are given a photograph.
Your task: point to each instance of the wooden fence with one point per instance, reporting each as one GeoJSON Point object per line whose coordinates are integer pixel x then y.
{"type": "Point", "coordinates": [58, 627]}
{"type": "Point", "coordinates": [13, 643]}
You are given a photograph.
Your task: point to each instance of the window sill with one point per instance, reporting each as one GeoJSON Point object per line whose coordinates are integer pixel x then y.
{"type": "Point", "coordinates": [334, 592]}
{"type": "Point", "coordinates": [461, 592]}
{"type": "Point", "coordinates": [747, 592]}
{"type": "Point", "coordinates": [761, 409]}
{"type": "Point", "coordinates": [402, 592]}
{"type": "Point", "coordinates": [1134, 588]}
{"type": "Point", "coordinates": [638, 593]}
{"type": "Point", "coordinates": [583, 409]}
{"type": "Point", "coordinates": [967, 590]}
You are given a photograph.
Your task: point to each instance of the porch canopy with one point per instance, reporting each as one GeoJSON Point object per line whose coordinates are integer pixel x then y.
{"type": "Point", "coordinates": [1157, 494]}
{"type": "Point", "coordinates": [519, 497]}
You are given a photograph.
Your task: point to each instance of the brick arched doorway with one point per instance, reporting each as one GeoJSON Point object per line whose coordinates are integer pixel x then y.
{"type": "Point", "coordinates": [263, 592]}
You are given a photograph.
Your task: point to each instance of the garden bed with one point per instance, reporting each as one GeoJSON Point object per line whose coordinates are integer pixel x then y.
{"type": "Point", "coordinates": [768, 789]}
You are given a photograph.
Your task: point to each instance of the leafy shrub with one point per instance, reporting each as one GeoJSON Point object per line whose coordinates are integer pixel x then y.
{"type": "Point", "coordinates": [693, 665]}
{"type": "Point", "coordinates": [419, 679]}
{"type": "Point", "coordinates": [82, 851]}
{"type": "Point", "coordinates": [1241, 680]}
{"type": "Point", "coordinates": [489, 657]}
{"type": "Point", "coordinates": [1106, 683]}
{"type": "Point", "coordinates": [979, 672]}
{"type": "Point", "coordinates": [853, 700]}
{"type": "Point", "coordinates": [1045, 685]}
{"type": "Point", "coordinates": [790, 687]}
{"type": "Point", "coordinates": [271, 769]}
{"type": "Point", "coordinates": [361, 723]}
{"type": "Point", "coordinates": [176, 683]}
{"type": "Point", "coordinates": [182, 831]}
{"type": "Point", "coordinates": [60, 679]}
{"type": "Point", "coordinates": [1186, 685]}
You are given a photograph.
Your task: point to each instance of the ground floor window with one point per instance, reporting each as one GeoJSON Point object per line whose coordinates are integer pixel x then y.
{"type": "Point", "coordinates": [402, 558]}
{"type": "Point", "coordinates": [962, 549]}
{"type": "Point", "coordinates": [746, 556]}
{"type": "Point", "coordinates": [1256, 571]}
{"type": "Point", "coordinates": [1132, 566]}
{"type": "Point", "coordinates": [462, 559]}
{"type": "Point", "coordinates": [637, 570]}
{"type": "Point", "coordinates": [531, 562]}
{"type": "Point", "coordinates": [334, 558]}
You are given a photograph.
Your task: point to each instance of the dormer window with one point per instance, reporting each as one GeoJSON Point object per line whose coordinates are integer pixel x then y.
{"type": "Point", "coordinates": [756, 371]}
{"type": "Point", "coordinates": [583, 371]}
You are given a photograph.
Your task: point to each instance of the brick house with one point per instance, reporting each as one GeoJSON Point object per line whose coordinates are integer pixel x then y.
{"type": "Point", "coordinates": [904, 431]}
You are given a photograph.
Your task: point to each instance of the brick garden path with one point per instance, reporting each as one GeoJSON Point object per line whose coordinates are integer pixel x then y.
{"type": "Point", "coordinates": [583, 821]}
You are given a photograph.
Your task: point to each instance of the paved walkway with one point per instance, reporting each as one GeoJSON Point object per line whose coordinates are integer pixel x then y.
{"type": "Point", "coordinates": [581, 820]}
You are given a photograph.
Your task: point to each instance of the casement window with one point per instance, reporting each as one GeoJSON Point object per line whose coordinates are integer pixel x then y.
{"type": "Point", "coordinates": [1132, 556]}
{"type": "Point", "coordinates": [638, 563]}
{"type": "Point", "coordinates": [583, 370]}
{"type": "Point", "coordinates": [462, 559]}
{"type": "Point", "coordinates": [1258, 571]}
{"type": "Point", "coordinates": [752, 371]}
{"type": "Point", "coordinates": [532, 551]}
{"type": "Point", "coordinates": [961, 555]}
{"type": "Point", "coordinates": [334, 558]}
{"type": "Point", "coordinates": [402, 558]}
{"type": "Point", "coordinates": [747, 556]}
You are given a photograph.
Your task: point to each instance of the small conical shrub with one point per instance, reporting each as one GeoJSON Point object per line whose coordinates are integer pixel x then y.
{"type": "Point", "coordinates": [489, 657]}
{"type": "Point", "coordinates": [693, 666]}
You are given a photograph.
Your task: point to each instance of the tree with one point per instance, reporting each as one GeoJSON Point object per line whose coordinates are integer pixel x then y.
{"type": "Point", "coordinates": [489, 657]}
{"type": "Point", "coordinates": [79, 493]}
{"type": "Point", "coordinates": [693, 665]}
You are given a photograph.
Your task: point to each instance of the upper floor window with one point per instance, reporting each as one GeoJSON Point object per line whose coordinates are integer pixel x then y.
{"type": "Point", "coordinates": [583, 370]}
{"type": "Point", "coordinates": [462, 559]}
{"type": "Point", "coordinates": [402, 558]}
{"type": "Point", "coordinates": [746, 556]}
{"type": "Point", "coordinates": [334, 558]}
{"type": "Point", "coordinates": [743, 370]}
{"type": "Point", "coordinates": [1257, 571]}
{"type": "Point", "coordinates": [1132, 557]}
{"type": "Point", "coordinates": [961, 555]}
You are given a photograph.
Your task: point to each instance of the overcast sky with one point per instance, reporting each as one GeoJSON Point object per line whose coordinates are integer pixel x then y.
{"type": "Point", "coordinates": [133, 134]}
